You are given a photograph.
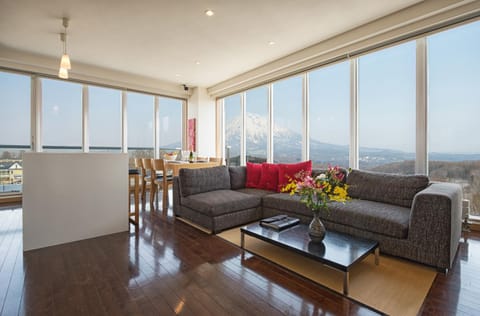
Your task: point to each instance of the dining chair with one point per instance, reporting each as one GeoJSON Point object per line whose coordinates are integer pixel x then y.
{"type": "Point", "coordinates": [143, 184]}
{"type": "Point", "coordinates": [163, 180]}
{"type": "Point", "coordinates": [133, 188]}
{"type": "Point", "coordinates": [149, 178]}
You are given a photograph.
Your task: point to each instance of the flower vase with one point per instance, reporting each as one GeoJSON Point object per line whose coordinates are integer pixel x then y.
{"type": "Point", "coordinates": [316, 229]}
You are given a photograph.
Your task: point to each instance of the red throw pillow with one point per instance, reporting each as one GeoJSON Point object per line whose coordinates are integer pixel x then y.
{"type": "Point", "coordinates": [288, 171]}
{"type": "Point", "coordinates": [269, 177]}
{"type": "Point", "coordinates": [254, 171]}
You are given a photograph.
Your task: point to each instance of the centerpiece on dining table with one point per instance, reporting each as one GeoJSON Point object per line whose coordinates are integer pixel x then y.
{"type": "Point", "coordinates": [316, 193]}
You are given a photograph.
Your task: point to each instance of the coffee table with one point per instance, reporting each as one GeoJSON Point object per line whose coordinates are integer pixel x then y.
{"type": "Point", "coordinates": [339, 251]}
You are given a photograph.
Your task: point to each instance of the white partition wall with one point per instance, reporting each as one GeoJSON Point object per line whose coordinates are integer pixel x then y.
{"type": "Point", "coordinates": [73, 196]}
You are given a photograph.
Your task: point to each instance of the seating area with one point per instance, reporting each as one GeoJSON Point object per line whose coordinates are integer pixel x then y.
{"type": "Point", "coordinates": [409, 216]}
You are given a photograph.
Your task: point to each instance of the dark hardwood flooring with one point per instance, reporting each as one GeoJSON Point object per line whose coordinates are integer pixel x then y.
{"type": "Point", "coordinates": [169, 268]}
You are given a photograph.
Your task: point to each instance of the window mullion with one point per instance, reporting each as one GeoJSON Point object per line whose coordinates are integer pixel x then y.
{"type": "Point", "coordinates": [354, 113]}
{"type": "Point", "coordinates": [421, 159]}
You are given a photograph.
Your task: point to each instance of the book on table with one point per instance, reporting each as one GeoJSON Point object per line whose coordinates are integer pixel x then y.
{"type": "Point", "coordinates": [279, 222]}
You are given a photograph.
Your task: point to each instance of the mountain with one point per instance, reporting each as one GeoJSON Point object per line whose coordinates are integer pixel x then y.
{"type": "Point", "coordinates": [287, 146]}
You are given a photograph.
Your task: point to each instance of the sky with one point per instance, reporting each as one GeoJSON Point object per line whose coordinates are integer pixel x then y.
{"type": "Point", "coordinates": [387, 96]}
{"type": "Point", "coordinates": [62, 114]}
{"type": "Point", "coordinates": [386, 102]}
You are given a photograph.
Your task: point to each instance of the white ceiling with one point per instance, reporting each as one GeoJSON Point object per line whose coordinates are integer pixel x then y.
{"type": "Point", "coordinates": [163, 39]}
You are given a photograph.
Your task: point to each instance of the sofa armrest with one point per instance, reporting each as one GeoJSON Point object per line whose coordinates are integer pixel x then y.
{"type": "Point", "coordinates": [435, 222]}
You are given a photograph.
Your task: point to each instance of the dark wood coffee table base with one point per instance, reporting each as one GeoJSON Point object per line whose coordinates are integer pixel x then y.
{"type": "Point", "coordinates": [338, 251]}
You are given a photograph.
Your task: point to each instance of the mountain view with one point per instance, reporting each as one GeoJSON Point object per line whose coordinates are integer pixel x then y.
{"type": "Point", "coordinates": [463, 169]}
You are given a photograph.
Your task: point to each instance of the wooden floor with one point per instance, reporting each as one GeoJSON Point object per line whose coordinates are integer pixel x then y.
{"type": "Point", "coordinates": [168, 268]}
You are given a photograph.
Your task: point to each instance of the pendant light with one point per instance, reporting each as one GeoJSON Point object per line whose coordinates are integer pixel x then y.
{"type": "Point", "coordinates": [65, 65]}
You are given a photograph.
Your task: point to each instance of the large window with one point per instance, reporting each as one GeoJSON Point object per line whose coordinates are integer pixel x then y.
{"type": "Point", "coordinates": [140, 115]}
{"type": "Point", "coordinates": [256, 102]}
{"type": "Point", "coordinates": [287, 120]}
{"type": "Point", "coordinates": [105, 119]}
{"type": "Point", "coordinates": [329, 115]}
{"type": "Point", "coordinates": [386, 107]}
{"type": "Point", "coordinates": [170, 125]}
{"type": "Point", "coordinates": [454, 109]}
{"type": "Point", "coordinates": [62, 115]}
{"type": "Point", "coordinates": [15, 129]}
{"type": "Point", "coordinates": [233, 127]}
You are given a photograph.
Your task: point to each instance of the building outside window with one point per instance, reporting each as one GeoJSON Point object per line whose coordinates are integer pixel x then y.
{"type": "Point", "coordinates": [15, 126]}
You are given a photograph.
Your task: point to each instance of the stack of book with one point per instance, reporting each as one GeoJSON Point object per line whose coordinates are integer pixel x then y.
{"type": "Point", "coordinates": [279, 222]}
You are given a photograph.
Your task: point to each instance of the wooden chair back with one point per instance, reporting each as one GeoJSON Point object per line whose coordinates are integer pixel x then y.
{"type": "Point", "coordinates": [159, 165]}
{"type": "Point", "coordinates": [215, 159]}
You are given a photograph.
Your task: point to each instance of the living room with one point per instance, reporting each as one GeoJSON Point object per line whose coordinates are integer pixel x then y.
{"type": "Point", "coordinates": [390, 71]}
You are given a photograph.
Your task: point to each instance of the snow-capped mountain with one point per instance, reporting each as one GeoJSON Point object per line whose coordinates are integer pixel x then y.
{"type": "Point", "coordinates": [287, 143]}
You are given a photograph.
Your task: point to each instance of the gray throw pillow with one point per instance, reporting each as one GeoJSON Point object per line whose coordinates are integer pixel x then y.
{"type": "Point", "coordinates": [195, 181]}
{"type": "Point", "coordinates": [383, 187]}
{"type": "Point", "coordinates": [238, 176]}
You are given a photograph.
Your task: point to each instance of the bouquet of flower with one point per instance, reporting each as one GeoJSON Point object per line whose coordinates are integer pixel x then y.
{"type": "Point", "coordinates": [317, 192]}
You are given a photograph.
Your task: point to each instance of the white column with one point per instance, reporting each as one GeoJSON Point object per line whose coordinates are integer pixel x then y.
{"type": "Point", "coordinates": [270, 124]}
{"type": "Point", "coordinates": [156, 128]}
{"type": "Point", "coordinates": [124, 122]}
{"type": "Point", "coordinates": [354, 155]}
{"type": "Point", "coordinates": [243, 136]}
{"type": "Point", "coordinates": [85, 114]}
{"type": "Point", "coordinates": [36, 114]}
{"type": "Point", "coordinates": [219, 129]}
{"type": "Point", "coordinates": [305, 118]}
{"type": "Point", "coordinates": [421, 153]}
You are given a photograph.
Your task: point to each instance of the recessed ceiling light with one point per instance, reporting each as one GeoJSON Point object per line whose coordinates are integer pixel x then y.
{"type": "Point", "coordinates": [177, 75]}
{"type": "Point", "coordinates": [209, 13]}
{"type": "Point", "coordinates": [197, 62]}
{"type": "Point", "coordinates": [271, 43]}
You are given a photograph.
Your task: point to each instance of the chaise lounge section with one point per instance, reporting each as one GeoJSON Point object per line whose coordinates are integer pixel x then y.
{"type": "Point", "coordinates": [409, 216]}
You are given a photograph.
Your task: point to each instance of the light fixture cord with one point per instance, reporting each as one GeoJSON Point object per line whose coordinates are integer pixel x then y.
{"type": "Point", "coordinates": [65, 42]}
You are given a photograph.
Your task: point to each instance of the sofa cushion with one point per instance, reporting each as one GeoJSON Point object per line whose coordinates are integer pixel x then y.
{"type": "Point", "coordinates": [195, 181]}
{"type": "Point", "coordinates": [388, 188]}
{"type": "Point", "coordinates": [287, 171]}
{"type": "Point", "coordinates": [269, 177]}
{"type": "Point", "coordinates": [387, 219]}
{"type": "Point", "coordinates": [220, 202]}
{"type": "Point", "coordinates": [286, 202]}
{"type": "Point", "coordinates": [256, 192]}
{"type": "Point", "coordinates": [238, 176]}
{"type": "Point", "coordinates": [254, 171]}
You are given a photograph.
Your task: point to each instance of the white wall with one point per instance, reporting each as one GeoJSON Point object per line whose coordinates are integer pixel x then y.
{"type": "Point", "coordinates": [69, 197]}
{"type": "Point", "coordinates": [202, 107]}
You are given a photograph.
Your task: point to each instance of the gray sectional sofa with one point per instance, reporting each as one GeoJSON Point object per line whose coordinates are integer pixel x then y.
{"type": "Point", "coordinates": [408, 215]}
